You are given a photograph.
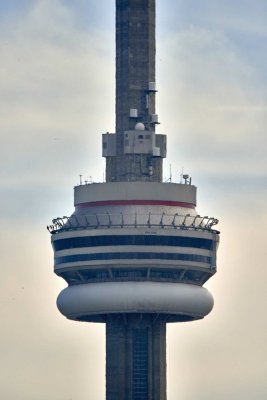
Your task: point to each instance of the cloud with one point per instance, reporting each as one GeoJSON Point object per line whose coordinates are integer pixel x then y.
{"type": "Point", "coordinates": [245, 17]}
{"type": "Point", "coordinates": [213, 104]}
{"type": "Point", "coordinates": [50, 71]}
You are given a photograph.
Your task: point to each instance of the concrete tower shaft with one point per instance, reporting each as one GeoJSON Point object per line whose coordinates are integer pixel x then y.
{"type": "Point", "coordinates": [135, 62]}
{"type": "Point", "coordinates": [136, 354]}
{"type": "Point", "coordinates": [135, 152]}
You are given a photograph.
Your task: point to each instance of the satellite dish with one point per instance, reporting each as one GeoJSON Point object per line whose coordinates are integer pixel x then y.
{"type": "Point", "coordinates": [139, 126]}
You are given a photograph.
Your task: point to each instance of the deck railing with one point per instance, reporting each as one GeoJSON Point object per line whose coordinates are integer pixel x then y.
{"type": "Point", "coordinates": [149, 220]}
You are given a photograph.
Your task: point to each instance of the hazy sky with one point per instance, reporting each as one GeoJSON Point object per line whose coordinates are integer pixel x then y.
{"type": "Point", "coordinates": [57, 96]}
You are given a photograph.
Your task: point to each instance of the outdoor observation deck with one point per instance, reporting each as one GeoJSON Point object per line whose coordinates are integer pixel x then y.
{"type": "Point", "coordinates": [119, 247]}
{"type": "Point", "coordinates": [122, 221]}
{"type": "Point", "coordinates": [117, 233]}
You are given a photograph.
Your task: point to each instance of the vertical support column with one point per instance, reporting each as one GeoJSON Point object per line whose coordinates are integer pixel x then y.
{"type": "Point", "coordinates": [135, 358]}
{"type": "Point", "coordinates": [116, 377]}
{"type": "Point", "coordinates": [135, 68]}
{"type": "Point", "coordinates": [135, 60]}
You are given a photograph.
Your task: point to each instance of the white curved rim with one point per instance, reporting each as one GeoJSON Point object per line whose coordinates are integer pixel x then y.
{"type": "Point", "coordinates": [134, 297]}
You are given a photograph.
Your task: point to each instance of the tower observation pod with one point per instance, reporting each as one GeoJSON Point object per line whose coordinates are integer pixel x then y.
{"type": "Point", "coordinates": [135, 253]}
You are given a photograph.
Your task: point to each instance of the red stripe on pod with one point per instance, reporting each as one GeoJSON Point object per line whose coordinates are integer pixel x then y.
{"type": "Point", "coordinates": [135, 203]}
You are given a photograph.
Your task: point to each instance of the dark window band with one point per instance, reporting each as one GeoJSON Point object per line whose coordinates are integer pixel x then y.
{"type": "Point", "coordinates": [131, 256]}
{"type": "Point", "coordinates": [128, 240]}
{"type": "Point", "coordinates": [135, 274]}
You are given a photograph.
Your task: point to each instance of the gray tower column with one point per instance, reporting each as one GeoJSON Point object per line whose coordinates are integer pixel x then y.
{"type": "Point", "coordinates": [135, 60]}
{"type": "Point", "coordinates": [135, 91]}
{"type": "Point", "coordinates": [135, 358]}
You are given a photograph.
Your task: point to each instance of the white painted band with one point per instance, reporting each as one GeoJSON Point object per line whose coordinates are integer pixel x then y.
{"type": "Point", "coordinates": [134, 297]}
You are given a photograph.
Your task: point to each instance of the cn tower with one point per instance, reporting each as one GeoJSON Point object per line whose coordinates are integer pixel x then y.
{"type": "Point", "coordinates": [135, 253]}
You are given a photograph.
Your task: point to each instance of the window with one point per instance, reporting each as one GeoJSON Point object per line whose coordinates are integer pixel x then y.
{"type": "Point", "coordinates": [134, 274]}
{"type": "Point", "coordinates": [140, 363]}
{"type": "Point", "coordinates": [133, 256]}
{"type": "Point", "coordinates": [129, 273]}
{"type": "Point", "coordinates": [131, 240]}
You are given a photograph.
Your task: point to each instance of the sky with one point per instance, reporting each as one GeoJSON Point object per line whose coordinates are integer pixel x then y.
{"type": "Point", "coordinates": [57, 85]}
